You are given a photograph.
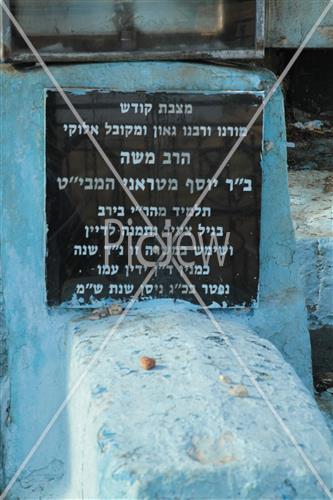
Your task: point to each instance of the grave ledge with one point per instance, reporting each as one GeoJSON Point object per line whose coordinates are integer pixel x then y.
{"type": "Point", "coordinates": [142, 434]}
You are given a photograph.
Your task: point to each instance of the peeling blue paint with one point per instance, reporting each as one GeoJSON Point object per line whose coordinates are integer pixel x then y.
{"type": "Point", "coordinates": [40, 338]}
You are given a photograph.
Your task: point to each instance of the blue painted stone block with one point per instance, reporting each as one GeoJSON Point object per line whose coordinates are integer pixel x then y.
{"type": "Point", "coordinates": [41, 356]}
{"type": "Point", "coordinates": [178, 431]}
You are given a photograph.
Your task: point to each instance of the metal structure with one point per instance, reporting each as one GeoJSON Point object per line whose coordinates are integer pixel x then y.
{"type": "Point", "coordinates": [277, 24]}
{"type": "Point", "coordinates": [133, 30]}
{"type": "Point", "coordinates": [288, 22]}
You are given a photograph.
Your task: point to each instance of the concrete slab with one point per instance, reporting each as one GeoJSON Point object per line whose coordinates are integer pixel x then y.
{"type": "Point", "coordinates": [177, 431]}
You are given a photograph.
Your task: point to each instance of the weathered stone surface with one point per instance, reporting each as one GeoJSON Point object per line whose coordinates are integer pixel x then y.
{"type": "Point", "coordinates": [42, 364]}
{"type": "Point", "coordinates": [176, 430]}
{"type": "Point", "coordinates": [311, 205]}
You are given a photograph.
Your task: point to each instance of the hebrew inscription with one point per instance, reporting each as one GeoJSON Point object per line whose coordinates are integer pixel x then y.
{"type": "Point", "coordinates": [166, 147]}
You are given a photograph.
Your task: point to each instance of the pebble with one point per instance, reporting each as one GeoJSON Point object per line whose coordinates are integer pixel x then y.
{"type": "Point", "coordinates": [147, 363]}
{"type": "Point", "coordinates": [239, 391]}
{"type": "Point", "coordinates": [225, 379]}
{"type": "Point", "coordinates": [112, 310]}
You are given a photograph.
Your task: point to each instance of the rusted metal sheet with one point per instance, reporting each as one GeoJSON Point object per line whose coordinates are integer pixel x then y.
{"type": "Point", "coordinates": [289, 21]}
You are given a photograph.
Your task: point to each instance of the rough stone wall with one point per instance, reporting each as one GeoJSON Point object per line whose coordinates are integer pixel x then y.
{"type": "Point", "coordinates": [3, 376]}
{"type": "Point", "coordinates": [311, 205]}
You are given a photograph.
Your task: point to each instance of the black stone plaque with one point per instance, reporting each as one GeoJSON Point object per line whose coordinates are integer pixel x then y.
{"type": "Point", "coordinates": [166, 146]}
